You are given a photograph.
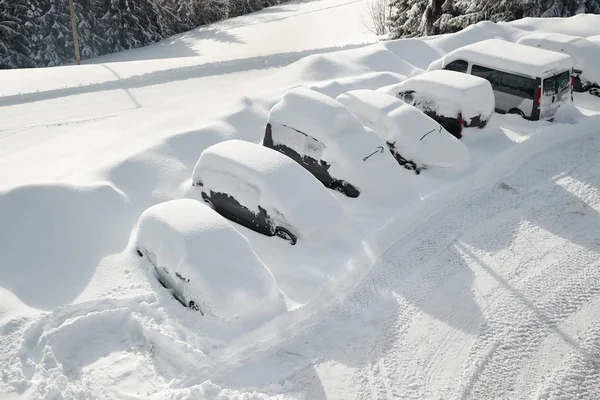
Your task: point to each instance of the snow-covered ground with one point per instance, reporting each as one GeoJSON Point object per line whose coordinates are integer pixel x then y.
{"type": "Point", "coordinates": [483, 286]}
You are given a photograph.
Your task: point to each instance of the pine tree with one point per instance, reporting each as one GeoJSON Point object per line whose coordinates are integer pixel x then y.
{"type": "Point", "coordinates": [453, 15]}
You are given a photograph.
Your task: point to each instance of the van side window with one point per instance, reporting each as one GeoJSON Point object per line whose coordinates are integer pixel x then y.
{"type": "Point", "coordinates": [517, 85]}
{"type": "Point", "coordinates": [458, 66]}
{"type": "Point", "coordinates": [491, 75]}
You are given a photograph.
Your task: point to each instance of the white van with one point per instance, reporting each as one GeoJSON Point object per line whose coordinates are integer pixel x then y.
{"type": "Point", "coordinates": [528, 81]}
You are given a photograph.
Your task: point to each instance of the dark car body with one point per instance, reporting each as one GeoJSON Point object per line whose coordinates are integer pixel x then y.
{"type": "Point", "coordinates": [318, 167]}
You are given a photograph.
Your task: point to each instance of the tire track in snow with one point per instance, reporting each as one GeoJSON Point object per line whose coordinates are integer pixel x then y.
{"type": "Point", "coordinates": [579, 375]}
{"type": "Point", "coordinates": [562, 282]}
{"type": "Point", "coordinates": [532, 181]}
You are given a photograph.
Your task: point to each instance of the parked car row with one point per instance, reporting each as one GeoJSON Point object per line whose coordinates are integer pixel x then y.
{"type": "Point", "coordinates": [313, 147]}
{"type": "Point", "coordinates": [364, 143]}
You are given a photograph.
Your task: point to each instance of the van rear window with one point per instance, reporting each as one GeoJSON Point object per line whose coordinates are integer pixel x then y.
{"type": "Point", "coordinates": [556, 84]}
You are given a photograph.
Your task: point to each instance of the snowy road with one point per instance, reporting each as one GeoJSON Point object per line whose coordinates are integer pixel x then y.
{"type": "Point", "coordinates": [495, 296]}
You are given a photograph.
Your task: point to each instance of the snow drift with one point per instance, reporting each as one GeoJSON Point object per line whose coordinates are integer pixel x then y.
{"type": "Point", "coordinates": [54, 235]}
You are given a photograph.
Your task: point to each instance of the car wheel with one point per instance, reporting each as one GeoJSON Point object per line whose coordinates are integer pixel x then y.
{"type": "Point", "coordinates": [207, 201]}
{"type": "Point", "coordinates": [286, 234]}
{"type": "Point", "coordinates": [595, 91]}
{"type": "Point", "coordinates": [517, 112]}
{"type": "Point", "coordinates": [162, 282]}
{"type": "Point", "coordinates": [338, 187]}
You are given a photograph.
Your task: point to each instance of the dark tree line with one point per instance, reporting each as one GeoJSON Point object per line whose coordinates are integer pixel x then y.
{"type": "Point", "coordinates": [37, 33]}
{"type": "Point", "coordinates": [432, 17]}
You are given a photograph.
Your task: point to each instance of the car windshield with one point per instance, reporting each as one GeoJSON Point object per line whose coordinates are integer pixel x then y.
{"type": "Point", "coordinates": [557, 83]}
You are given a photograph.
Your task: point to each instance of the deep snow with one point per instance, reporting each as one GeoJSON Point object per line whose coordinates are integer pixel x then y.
{"type": "Point", "coordinates": [486, 286]}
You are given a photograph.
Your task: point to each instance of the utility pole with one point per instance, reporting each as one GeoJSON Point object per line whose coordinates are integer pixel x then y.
{"type": "Point", "coordinates": [74, 28]}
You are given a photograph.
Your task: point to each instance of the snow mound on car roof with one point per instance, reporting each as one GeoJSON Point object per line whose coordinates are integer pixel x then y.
{"type": "Point", "coordinates": [225, 276]}
{"type": "Point", "coordinates": [416, 136]}
{"type": "Point", "coordinates": [585, 54]}
{"type": "Point", "coordinates": [347, 63]}
{"type": "Point", "coordinates": [509, 56]}
{"type": "Point", "coordinates": [277, 180]}
{"type": "Point", "coordinates": [450, 92]}
{"type": "Point", "coordinates": [355, 153]}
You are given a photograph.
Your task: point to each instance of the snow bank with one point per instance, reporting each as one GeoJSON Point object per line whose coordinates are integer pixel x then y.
{"type": "Point", "coordinates": [415, 136]}
{"type": "Point", "coordinates": [347, 63]}
{"type": "Point", "coordinates": [257, 175]}
{"type": "Point", "coordinates": [54, 235]}
{"type": "Point", "coordinates": [508, 56]}
{"type": "Point", "coordinates": [585, 54]}
{"type": "Point", "coordinates": [356, 155]}
{"type": "Point", "coordinates": [414, 51]}
{"type": "Point", "coordinates": [594, 39]}
{"type": "Point", "coordinates": [449, 92]}
{"type": "Point", "coordinates": [578, 25]}
{"type": "Point", "coordinates": [212, 262]}
{"type": "Point", "coordinates": [372, 80]}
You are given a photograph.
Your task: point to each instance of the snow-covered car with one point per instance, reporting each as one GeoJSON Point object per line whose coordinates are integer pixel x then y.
{"type": "Point", "coordinates": [594, 39]}
{"type": "Point", "coordinates": [205, 262]}
{"type": "Point", "coordinates": [321, 135]}
{"type": "Point", "coordinates": [585, 55]}
{"type": "Point", "coordinates": [531, 82]}
{"type": "Point", "coordinates": [264, 190]}
{"type": "Point", "coordinates": [453, 99]}
{"type": "Point", "coordinates": [414, 139]}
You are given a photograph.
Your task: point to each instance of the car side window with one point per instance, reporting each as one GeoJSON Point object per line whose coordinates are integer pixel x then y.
{"type": "Point", "coordinates": [218, 181]}
{"type": "Point", "coordinates": [289, 137]}
{"type": "Point", "coordinates": [313, 148]}
{"type": "Point", "coordinates": [248, 195]}
{"type": "Point", "coordinates": [517, 85]}
{"type": "Point", "coordinates": [492, 75]}
{"type": "Point", "coordinates": [458, 66]}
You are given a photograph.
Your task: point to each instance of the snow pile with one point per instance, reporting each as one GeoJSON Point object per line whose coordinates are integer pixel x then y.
{"type": "Point", "coordinates": [347, 63]}
{"type": "Point", "coordinates": [54, 235]}
{"type": "Point", "coordinates": [414, 135]}
{"type": "Point", "coordinates": [371, 80]}
{"type": "Point", "coordinates": [208, 261]}
{"type": "Point", "coordinates": [578, 25]}
{"type": "Point", "coordinates": [508, 56]}
{"type": "Point", "coordinates": [585, 54]}
{"type": "Point", "coordinates": [256, 175]}
{"type": "Point", "coordinates": [594, 39]}
{"type": "Point", "coordinates": [449, 93]}
{"type": "Point", "coordinates": [356, 155]}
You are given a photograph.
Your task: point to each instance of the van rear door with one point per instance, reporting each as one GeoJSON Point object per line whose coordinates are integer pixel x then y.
{"type": "Point", "coordinates": [555, 92]}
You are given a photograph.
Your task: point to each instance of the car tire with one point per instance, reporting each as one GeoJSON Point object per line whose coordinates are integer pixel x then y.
{"type": "Point", "coordinates": [286, 235]}
{"type": "Point", "coordinates": [517, 112]}
{"type": "Point", "coordinates": [207, 201]}
{"type": "Point", "coordinates": [594, 91]}
{"type": "Point", "coordinates": [338, 187]}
